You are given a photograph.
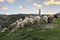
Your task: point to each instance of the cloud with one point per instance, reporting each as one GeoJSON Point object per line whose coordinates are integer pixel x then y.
{"type": "Point", "coordinates": [51, 2]}
{"type": "Point", "coordinates": [21, 7]}
{"type": "Point", "coordinates": [11, 1]}
{"type": "Point", "coordinates": [34, 11]}
{"type": "Point", "coordinates": [1, 0]}
{"type": "Point", "coordinates": [37, 5]}
{"type": "Point", "coordinates": [4, 7]}
{"type": "Point", "coordinates": [29, 0]}
{"type": "Point", "coordinates": [57, 2]}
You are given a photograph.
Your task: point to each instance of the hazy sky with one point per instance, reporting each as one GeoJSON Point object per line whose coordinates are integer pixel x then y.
{"type": "Point", "coordinates": [29, 6]}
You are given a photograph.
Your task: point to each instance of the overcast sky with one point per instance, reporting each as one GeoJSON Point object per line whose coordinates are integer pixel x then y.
{"type": "Point", "coordinates": [29, 6]}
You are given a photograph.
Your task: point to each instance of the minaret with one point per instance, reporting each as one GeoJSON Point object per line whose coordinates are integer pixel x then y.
{"type": "Point", "coordinates": [39, 12]}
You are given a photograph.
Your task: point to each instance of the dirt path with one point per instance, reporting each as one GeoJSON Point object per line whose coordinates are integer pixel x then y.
{"type": "Point", "coordinates": [51, 25]}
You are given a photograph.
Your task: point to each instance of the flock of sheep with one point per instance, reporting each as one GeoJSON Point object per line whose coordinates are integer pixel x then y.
{"type": "Point", "coordinates": [30, 20]}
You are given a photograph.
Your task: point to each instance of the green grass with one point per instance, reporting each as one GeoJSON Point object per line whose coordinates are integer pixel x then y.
{"type": "Point", "coordinates": [56, 21]}
{"type": "Point", "coordinates": [34, 32]}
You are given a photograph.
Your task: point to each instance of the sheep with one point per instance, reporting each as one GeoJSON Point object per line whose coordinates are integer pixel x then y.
{"type": "Point", "coordinates": [31, 16]}
{"type": "Point", "coordinates": [31, 20]}
{"type": "Point", "coordinates": [18, 25]}
{"type": "Point", "coordinates": [45, 18]}
{"type": "Point", "coordinates": [20, 20]}
{"type": "Point", "coordinates": [37, 19]}
{"type": "Point", "coordinates": [24, 22]}
{"type": "Point", "coordinates": [28, 20]}
{"type": "Point", "coordinates": [50, 18]}
{"type": "Point", "coordinates": [21, 23]}
{"type": "Point", "coordinates": [4, 29]}
{"type": "Point", "coordinates": [15, 23]}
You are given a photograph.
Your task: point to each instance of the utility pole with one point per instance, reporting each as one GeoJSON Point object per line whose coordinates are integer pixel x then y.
{"type": "Point", "coordinates": [39, 12]}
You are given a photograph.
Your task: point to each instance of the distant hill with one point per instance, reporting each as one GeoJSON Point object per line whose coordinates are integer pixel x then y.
{"type": "Point", "coordinates": [58, 14]}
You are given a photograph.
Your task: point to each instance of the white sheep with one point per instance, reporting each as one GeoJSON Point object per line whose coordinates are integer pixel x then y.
{"type": "Point", "coordinates": [31, 20]}
{"type": "Point", "coordinates": [20, 19]}
{"type": "Point", "coordinates": [24, 22]}
{"type": "Point", "coordinates": [21, 23]}
{"type": "Point", "coordinates": [37, 18]}
{"type": "Point", "coordinates": [31, 16]}
{"type": "Point", "coordinates": [18, 25]}
{"type": "Point", "coordinates": [13, 24]}
{"type": "Point", "coordinates": [28, 20]}
{"type": "Point", "coordinates": [50, 18]}
{"type": "Point", "coordinates": [45, 18]}
{"type": "Point", "coordinates": [4, 29]}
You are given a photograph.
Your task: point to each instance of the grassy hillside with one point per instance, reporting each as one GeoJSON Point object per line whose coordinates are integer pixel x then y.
{"type": "Point", "coordinates": [34, 32]}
